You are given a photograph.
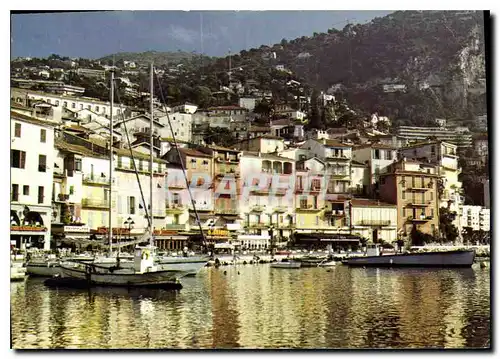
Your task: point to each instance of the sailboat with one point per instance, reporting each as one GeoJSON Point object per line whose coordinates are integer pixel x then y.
{"type": "Point", "coordinates": [144, 270]}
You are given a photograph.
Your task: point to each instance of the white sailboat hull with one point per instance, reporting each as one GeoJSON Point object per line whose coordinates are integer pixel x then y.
{"type": "Point", "coordinates": [286, 265]}
{"type": "Point", "coordinates": [191, 265]}
{"type": "Point", "coordinates": [43, 269]}
{"type": "Point", "coordinates": [124, 277]}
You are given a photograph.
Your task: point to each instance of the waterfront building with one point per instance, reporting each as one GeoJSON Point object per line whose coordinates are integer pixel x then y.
{"type": "Point", "coordinates": [199, 172]}
{"type": "Point", "coordinates": [310, 195]}
{"type": "Point", "coordinates": [37, 109]}
{"type": "Point", "coordinates": [266, 201]}
{"type": "Point", "coordinates": [31, 172]}
{"type": "Point", "coordinates": [475, 217]}
{"type": "Point", "coordinates": [443, 155]}
{"type": "Point", "coordinates": [358, 173]}
{"type": "Point", "coordinates": [373, 220]}
{"type": "Point", "coordinates": [226, 188]}
{"type": "Point", "coordinates": [413, 187]}
{"type": "Point", "coordinates": [377, 157]}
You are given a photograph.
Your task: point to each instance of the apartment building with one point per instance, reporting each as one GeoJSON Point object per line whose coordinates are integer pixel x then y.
{"type": "Point", "coordinates": [373, 220]}
{"type": "Point", "coordinates": [413, 187]}
{"type": "Point", "coordinates": [475, 217]}
{"type": "Point", "coordinates": [266, 200]}
{"type": "Point", "coordinates": [263, 144]}
{"type": "Point", "coordinates": [417, 133]}
{"type": "Point", "coordinates": [180, 126]}
{"type": "Point", "coordinates": [378, 158]}
{"type": "Point", "coordinates": [31, 173]}
{"type": "Point", "coordinates": [444, 155]}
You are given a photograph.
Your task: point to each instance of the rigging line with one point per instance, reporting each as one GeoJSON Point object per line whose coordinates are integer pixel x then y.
{"type": "Point", "coordinates": [133, 159]}
{"type": "Point", "coordinates": [182, 166]}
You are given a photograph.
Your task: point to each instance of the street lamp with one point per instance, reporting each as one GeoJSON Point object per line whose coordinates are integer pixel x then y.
{"type": "Point", "coordinates": [129, 223]}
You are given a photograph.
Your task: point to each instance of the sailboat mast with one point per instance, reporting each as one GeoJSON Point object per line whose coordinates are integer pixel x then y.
{"type": "Point", "coordinates": [112, 98]}
{"type": "Point", "coordinates": [151, 241]}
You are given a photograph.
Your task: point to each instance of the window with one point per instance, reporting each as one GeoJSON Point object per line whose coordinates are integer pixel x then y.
{"type": "Point", "coordinates": [119, 162]}
{"type": "Point", "coordinates": [140, 165]}
{"type": "Point", "coordinates": [73, 105]}
{"type": "Point", "coordinates": [303, 203]}
{"type": "Point", "coordinates": [26, 190]}
{"type": "Point", "coordinates": [432, 212]}
{"type": "Point", "coordinates": [88, 107]}
{"type": "Point", "coordinates": [193, 163]}
{"type": "Point", "coordinates": [315, 202]}
{"type": "Point", "coordinates": [131, 205]}
{"type": "Point", "coordinates": [97, 109]}
{"type": "Point", "coordinates": [43, 135]}
{"type": "Point", "coordinates": [433, 150]}
{"type": "Point", "coordinates": [432, 196]}
{"type": "Point", "coordinates": [403, 212]}
{"type": "Point", "coordinates": [57, 102]}
{"type": "Point", "coordinates": [423, 182]}
{"type": "Point", "coordinates": [299, 182]}
{"type": "Point", "coordinates": [42, 163]}
{"type": "Point", "coordinates": [15, 192]}
{"type": "Point", "coordinates": [78, 164]}
{"type": "Point", "coordinates": [40, 194]}
{"type": "Point", "coordinates": [17, 130]}
{"type": "Point", "coordinates": [403, 193]}
{"type": "Point", "coordinates": [81, 106]}
{"type": "Point", "coordinates": [316, 183]}
{"type": "Point", "coordinates": [65, 104]}
{"type": "Point", "coordinates": [376, 154]}
{"type": "Point", "coordinates": [17, 159]}
{"type": "Point", "coordinates": [403, 182]}
{"type": "Point", "coordinates": [412, 181]}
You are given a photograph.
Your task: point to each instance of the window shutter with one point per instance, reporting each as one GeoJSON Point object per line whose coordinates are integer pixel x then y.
{"type": "Point", "coordinates": [23, 158]}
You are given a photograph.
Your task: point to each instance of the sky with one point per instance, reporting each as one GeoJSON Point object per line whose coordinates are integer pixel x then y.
{"type": "Point", "coordinates": [96, 34]}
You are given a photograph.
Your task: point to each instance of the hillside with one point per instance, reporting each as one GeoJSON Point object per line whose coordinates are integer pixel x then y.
{"type": "Point", "coordinates": [158, 58]}
{"type": "Point", "coordinates": [437, 55]}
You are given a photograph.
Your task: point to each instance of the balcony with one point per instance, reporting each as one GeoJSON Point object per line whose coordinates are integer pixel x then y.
{"type": "Point", "coordinates": [280, 209]}
{"type": "Point", "coordinates": [62, 197]}
{"type": "Point", "coordinates": [420, 219]}
{"type": "Point", "coordinates": [177, 185]}
{"type": "Point", "coordinates": [174, 208]}
{"type": "Point", "coordinates": [95, 203]}
{"type": "Point", "coordinates": [418, 203]}
{"type": "Point", "coordinates": [338, 174]}
{"type": "Point", "coordinates": [374, 222]}
{"type": "Point", "coordinates": [59, 172]}
{"type": "Point", "coordinates": [173, 227]}
{"type": "Point", "coordinates": [419, 188]}
{"type": "Point", "coordinates": [258, 208]}
{"type": "Point", "coordinates": [308, 208]}
{"type": "Point", "coordinates": [334, 213]}
{"type": "Point", "coordinates": [96, 180]}
{"type": "Point", "coordinates": [229, 211]}
{"type": "Point", "coordinates": [258, 225]}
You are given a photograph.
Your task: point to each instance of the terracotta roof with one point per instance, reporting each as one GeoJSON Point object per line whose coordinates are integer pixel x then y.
{"type": "Point", "coordinates": [220, 148]}
{"type": "Point", "coordinates": [362, 202]}
{"type": "Point", "coordinates": [81, 150]}
{"type": "Point", "coordinates": [32, 120]}
{"type": "Point", "coordinates": [266, 156]}
{"type": "Point", "coordinates": [377, 146]}
{"type": "Point", "coordinates": [356, 163]}
{"type": "Point", "coordinates": [333, 143]}
{"type": "Point", "coordinates": [193, 153]}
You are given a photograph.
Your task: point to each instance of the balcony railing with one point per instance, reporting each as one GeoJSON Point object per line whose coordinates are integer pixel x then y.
{"type": "Point", "coordinates": [177, 227]}
{"type": "Point", "coordinates": [177, 185]}
{"type": "Point", "coordinates": [334, 213]}
{"type": "Point", "coordinates": [226, 211]}
{"type": "Point", "coordinates": [174, 207]}
{"type": "Point", "coordinates": [89, 179]}
{"type": "Point", "coordinates": [258, 225]}
{"type": "Point", "coordinates": [258, 208]}
{"type": "Point", "coordinates": [336, 174]}
{"type": "Point", "coordinates": [95, 202]}
{"type": "Point", "coordinates": [420, 218]}
{"type": "Point", "coordinates": [412, 203]}
{"type": "Point", "coordinates": [280, 209]}
{"type": "Point", "coordinates": [417, 187]}
{"type": "Point", "coordinates": [309, 208]}
{"type": "Point", "coordinates": [374, 222]}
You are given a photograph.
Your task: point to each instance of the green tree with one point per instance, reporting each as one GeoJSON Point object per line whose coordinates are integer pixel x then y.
{"type": "Point", "coordinates": [220, 136]}
{"type": "Point", "coordinates": [314, 113]}
{"type": "Point", "coordinates": [448, 230]}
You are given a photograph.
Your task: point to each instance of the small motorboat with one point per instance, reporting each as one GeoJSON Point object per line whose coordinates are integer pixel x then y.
{"type": "Point", "coordinates": [286, 265]}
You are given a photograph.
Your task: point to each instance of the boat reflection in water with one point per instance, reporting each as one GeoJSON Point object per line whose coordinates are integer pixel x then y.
{"type": "Point", "coordinates": [263, 307]}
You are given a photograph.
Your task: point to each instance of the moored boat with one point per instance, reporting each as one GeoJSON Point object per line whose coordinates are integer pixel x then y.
{"type": "Point", "coordinates": [286, 265]}
{"type": "Point", "coordinates": [453, 258]}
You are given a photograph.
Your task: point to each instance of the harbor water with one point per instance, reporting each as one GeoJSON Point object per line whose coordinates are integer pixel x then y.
{"type": "Point", "coordinates": [256, 306]}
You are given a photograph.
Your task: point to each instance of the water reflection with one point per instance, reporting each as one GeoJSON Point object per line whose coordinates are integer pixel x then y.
{"type": "Point", "coordinates": [262, 307]}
